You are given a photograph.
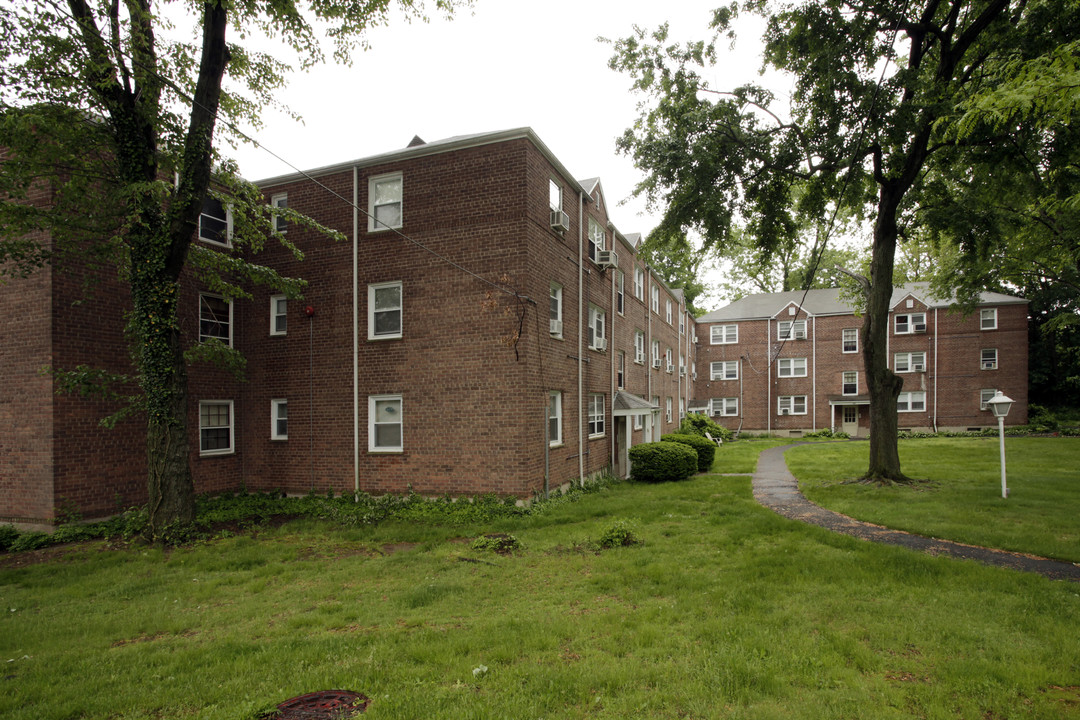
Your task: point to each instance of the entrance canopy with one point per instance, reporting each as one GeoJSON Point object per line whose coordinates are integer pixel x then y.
{"type": "Point", "coordinates": [835, 400]}
{"type": "Point", "coordinates": [628, 405]}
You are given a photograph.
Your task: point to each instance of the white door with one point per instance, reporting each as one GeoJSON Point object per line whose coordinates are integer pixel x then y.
{"type": "Point", "coordinates": [850, 423]}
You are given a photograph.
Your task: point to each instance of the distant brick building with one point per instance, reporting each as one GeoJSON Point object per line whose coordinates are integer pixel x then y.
{"type": "Point", "coordinates": [784, 364]}
{"type": "Point", "coordinates": [485, 328]}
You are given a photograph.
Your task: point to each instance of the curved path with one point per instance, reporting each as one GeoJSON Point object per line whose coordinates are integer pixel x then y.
{"type": "Point", "coordinates": [776, 488]}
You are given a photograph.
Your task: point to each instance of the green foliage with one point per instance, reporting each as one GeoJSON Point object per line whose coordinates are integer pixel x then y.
{"type": "Point", "coordinates": [662, 461]}
{"type": "Point", "coordinates": [30, 541]}
{"type": "Point", "coordinates": [827, 433]}
{"type": "Point", "coordinates": [705, 448]}
{"type": "Point", "coordinates": [8, 536]}
{"type": "Point", "coordinates": [1041, 420]}
{"type": "Point", "coordinates": [498, 543]}
{"type": "Point", "coordinates": [698, 424]}
{"type": "Point", "coordinates": [620, 533]}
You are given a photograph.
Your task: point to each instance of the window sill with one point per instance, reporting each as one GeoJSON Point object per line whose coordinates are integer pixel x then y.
{"type": "Point", "coordinates": [216, 453]}
{"type": "Point", "coordinates": [278, 334]}
{"type": "Point", "coordinates": [388, 451]}
{"type": "Point", "coordinates": [601, 436]}
{"type": "Point", "coordinates": [553, 446]}
{"type": "Point", "coordinates": [378, 338]}
{"type": "Point", "coordinates": [279, 439]}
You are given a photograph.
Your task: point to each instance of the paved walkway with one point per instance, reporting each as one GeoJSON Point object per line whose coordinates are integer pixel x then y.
{"type": "Point", "coordinates": [777, 489]}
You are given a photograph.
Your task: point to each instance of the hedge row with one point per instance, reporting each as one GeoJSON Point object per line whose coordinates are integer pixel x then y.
{"type": "Point", "coordinates": [662, 461]}
{"type": "Point", "coordinates": [705, 448]}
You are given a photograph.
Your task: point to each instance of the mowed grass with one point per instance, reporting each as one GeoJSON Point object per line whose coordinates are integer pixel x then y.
{"type": "Point", "coordinates": [962, 500]}
{"type": "Point", "coordinates": [726, 611]}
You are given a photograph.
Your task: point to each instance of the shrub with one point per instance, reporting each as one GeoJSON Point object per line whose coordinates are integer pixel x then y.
{"type": "Point", "coordinates": [827, 433]}
{"type": "Point", "coordinates": [621, 533]}
{"type": "Point", "coordinates": [661, 461]}
{"type": "Point", "coordinates": [8, 536]}
{"type": "Point", "coordinates": [698, 424]}
{"type": "Point", "coordinates": [705, 448]}
{"type": "Point", "coordinates": [1041, 420]}
{"type": "Point", "coordinates": [500, 543]}
{"type": "Point", "coordinates": [30, 541]}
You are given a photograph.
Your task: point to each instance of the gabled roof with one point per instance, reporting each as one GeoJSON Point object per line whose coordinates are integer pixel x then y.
{"type": "Point", "coordinates": [762, 306]}
{"type": "Point", "coordinates": [629, 404]}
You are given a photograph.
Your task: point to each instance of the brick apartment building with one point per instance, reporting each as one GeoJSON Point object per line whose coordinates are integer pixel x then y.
{"type": "Point", "coordinates": [784, 364]}
{"type": "Point", "coordinates": [485, 328]}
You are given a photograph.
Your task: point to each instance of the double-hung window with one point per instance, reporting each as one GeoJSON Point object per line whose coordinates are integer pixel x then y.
{"type": "Point", "coordinates": [724, 370]}
{"type": "Point", "coordinates": [620, 281]}
{"type": "Point", "coordinates": [850, 382]}
{"type": "Point", "coordinates": [988, 359]}
{"type": "Point", "coordinates": [554, 195]}
{"type": "Point", "coordinates": [384, 311]}
{"type": "Point", "coordinates": [724, 334]}
{"type": "Point", "coordinates": [385, 427]}
{"type": "Point", "coordinates": [791, 367]}
{"type": "Point", "coordinates": [988, 319]}
{"type": "Point", "coordinates": [639, 284]}
{"type": "Point", "coordinates": [911, 402]}
{"type": "Point", "coordinates": [596, 329]}
{"type": "Point", "coordinates": [985, 396]}
{"type": "Point", "coordinates": [279, 315]}
{"type": "Point", "coordinates": [791, 405]}
{"type": "Point", "coordinates": [555, 311]}
{"type": "Point", "coordinates": [597, 238]}
{"type": "Point", "coordinates": [279, 419]}
{"type": "Point", "coordinates": [596, 415]}
{"type": "Point", "coordinates": [620, 370]}
{"type": "Point", "coordinates": [639, 346]}
{"type": "Point", "coordinates": [215, 318]}
{"type": "Point", "coordinates": [385, 202]}
{"type": "Point", "coordinates": [215, 427]}
{"type": "Point", "coordinates": [727, 407]}
{"type": "Point", "coordinates": [215, 222]}
{"type": "Point", "coordinates": [909, 323]}
{"type": "Point", "coordinates": [656, 353]}
{"type": "Point", "coordinates": [655, 298]}
{"type": "Point", "coordinates": [850, 340]}
{"type": "Point", "coordinates": [554, 418]}
{"type": "Point", "coordinates": [668, 402]}
{"type": "Point", "coordinates": [791, 330]}
{"type": "Point", "coordinates": [281, 202]}
{"type": "Point", "coordinates": [909, 362]}
{"type": "Point", "coordinates": [667, 360]}
{"type": "Point", "coordinates": [668, 313]}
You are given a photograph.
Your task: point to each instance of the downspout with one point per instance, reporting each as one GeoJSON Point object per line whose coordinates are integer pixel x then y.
{"type": "Point", "coordinates": [813, 383]}
{"type": "Point", "coordinates": [768, 377]}
{"type": "Point", "coordinates": [356, 334]}
{"type": "Point", "coordinates": [935, 368]}
{"type": "Point", "coordinates": [580, 340]}
{"type": "Point", "coordinates": [611, 361]}
{"type": "Point", "coordinates": [648, 344]}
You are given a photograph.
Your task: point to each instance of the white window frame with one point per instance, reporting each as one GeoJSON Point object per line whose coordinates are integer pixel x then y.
{"type": "Point", "coordinates": [597, 238]}
{"type": "Point", "coordinates": [909, 362]}
{"type": "Point", "coordinates": [620, 370]}
{"type": "Point", "coordinates": [849, 377]}
{"type": "Point", "coordinates": [906, 402]}
{"type": "Point", "coordinates": [724, 334]}
{"type": "Point", "coordinates": [654, 298]}
{"type": "Point", "coordinates": [596, 415]}
{"type": "Point", "coordinates": [791, 330]}
{"type": "Point", "coordinates": [373, 289]}
{"type": "Point", "coordinates": [554, 195]}
{"type": "Point", "coordinates": [374, 183]}
{"type": "Point", "coordinates": [373, 447]}
{"type": "Point", "coordinates": [555, 305]}
{"type": "Point", "coordinates": [620, 291]}
{"type": "Point", "coordinates": [597, 323]}
{"type": "Point", "coordinates": [638, 422]}
{"type": "Point", "coordinates": [639, 284]}
{"type": "Point", "coordinates": [724, 370]}
{"type": "Point", "coordinates": [844, 340]}
{"type": "Point", "coordinates": [279, 313]}
{"type": "Point", "coordinates": [668, 404]}
{"type": "Point", "coordinates": [228, 220]}
{"type": "Point", "coordinates": [910, 325]}
{"type": "Point", "coordinates": [203, 336]}
{"type": "Point", "coordinates": [231, 449]}
{"type": "Point", "coordinates": [555, 415]}
{"type": "Point", "coordinates": [682, 409]}
{"type": "Point", "coordinates": [791, 367]}
{"type": "Point", "coordinates": [791, 403]}
{"type": "Point", "coordinates": [724, 407]}
{"type": "Point", "coordinates": [280, 200]}
{"type": "Point", "coordinates": [276, 406]}
{"type": "Point", "coordinates": [655, 352]}
{"type": "Point", "coordinates": [985, 360]}
{"type": "Point", "coordinates": [985, 396]}
{"type": "Point", "coordinates": [669, 364]}
{"type": "Point", "coordinates": [988, 319]}
{"type": "Point", "coordinates": [639, 347]}
{"type": "Point", "coordinates": [668, 312]}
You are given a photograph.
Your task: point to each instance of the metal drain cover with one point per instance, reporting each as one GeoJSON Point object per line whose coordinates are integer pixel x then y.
{"type": "Point", "coordinates": [322, 705]}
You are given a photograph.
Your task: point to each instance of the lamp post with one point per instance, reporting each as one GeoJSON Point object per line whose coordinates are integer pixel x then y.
{"type": "Point", "coordinates": [1000, 405]}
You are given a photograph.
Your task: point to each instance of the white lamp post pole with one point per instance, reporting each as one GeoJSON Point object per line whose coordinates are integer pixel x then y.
{"type": "Point", "coordinates": [1000, 405]}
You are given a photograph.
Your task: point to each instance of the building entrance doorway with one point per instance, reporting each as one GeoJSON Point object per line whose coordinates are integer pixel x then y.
{"type": "Point", "coordinates": [850, 421]}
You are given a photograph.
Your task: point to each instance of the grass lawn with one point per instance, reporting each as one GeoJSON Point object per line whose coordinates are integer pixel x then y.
{"type": "Point", "coordinates": [726, 611]}
{"type": "Point", "coordinates": [962, 501]}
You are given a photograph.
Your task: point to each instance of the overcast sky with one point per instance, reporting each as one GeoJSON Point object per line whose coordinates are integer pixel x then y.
{"type": "Point", "coordinates": [504, 64]}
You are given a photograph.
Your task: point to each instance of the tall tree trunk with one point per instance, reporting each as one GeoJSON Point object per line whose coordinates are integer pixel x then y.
{"type": "Point", "coordinates": [171, 488]}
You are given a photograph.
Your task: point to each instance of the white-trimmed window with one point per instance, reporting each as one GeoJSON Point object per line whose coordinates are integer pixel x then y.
{"type": "Point", "coordinates": [620, 294]}
{"type": "Point", "coordinates": [724, 406]}
{"type": "Point", "coordinates": [216, 427]}
{"type": "Point", "coordinates": [724, 370]}
{"type": "Point", "coordinates": [620, 370]}
{"type": "Point", "coordinates": [554, 195]}
{"type": "Point", "coordinates": [668, 312]}
{"type": "Point", "coordinates": [985, 396]}
{"type": "Point", "coordinates": [655, 299]}
{"type": "Point", "coordinates": [215, 222]}
{"type": "Point", "coordinates": [909, 362]}
{"type": "Point", "coordinates": [656, 353]}
{"type": "Point", "coordinates": [988, 359]}
{"type": "Point", "coordinates": [639, 347]}
{"type": "Point", "coordinates": [215, 318]}
{"type": "Point", "coordinates": [667, 360]}
{"type": "Point", "coordinates": [988, 319]}
{"type": "Point", "coordinates": [682, 322]}
{"type": "Point", "coordinates": [555, 295]}
{"type": "Point", "coordinates": [668, 403]}
{"type": "Point", "coordinates": [911, 402]}
{"type": "Point", "coordinates": [682, 409]}
{"type": "Point", "coordinates": [384, 311]}
{"type": "Point", "coordinates": [385, 202]}
{"type": "Point", "coordinates": [850, 382]}
{"type": "Point", "coordinates": [791, 367]}
{"type": "Point", "coordinates": [596, 415]}
{"type": "Point", "coordinates": [279, 419]}
{"type": "Point", "coordinates": [850, 340]}
{"type": "Point", "coordinates": [682, 365]}
{"type": "Point", "coordinates": [279, 314]}
{"type": "Point", "coordinates": [554, 418]}
{"type": "Point", "coordinates": [638, 422]}
{"type": "Point", "coordinates": [596, 329]}
{"type": "Point", "coordinates": [639, 284]}
{"type": "Point", "coordinates": [724, 334]}
{"type": "Point", "coordinates": [791, 330]}
{"type": "Point", "coordinates": [280, 201]}
{"type": "Point", "coordinates": [909, 323]}
{"type": "Point", "coordinates": [385, 427]}
{"type": "Point", "coordinates": [597, 238]}
{"type": "Point", "coordinates": [791, 405]}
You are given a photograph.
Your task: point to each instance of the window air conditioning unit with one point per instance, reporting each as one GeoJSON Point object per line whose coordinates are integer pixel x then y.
{"type": "Point", "coordinates": [919, 327]}
{"type": "Point", "coordinates": [989, 365]}
{"type": "Point", "coordinates": [607, 258]}
{"type": "Point", "coordinates": [640, 357]}
{"type": "Point", "coordinates": [694, 375]}
{"type": "Point", "coordinates": [556, 327]}
{"type": "Point", "coordinates": [682, 372]}
{"type": "Point", "coordinates": [560, 221]}
{"type": "Point", "coordinates": [800, 334]}
{"type": "Point", "coordinates": [670, 368]}
{"type": "Point", "coordinates": [695, 339]}
{"type": "Point", "coordinates": [600, 344]}
{"type": "Point", "coordinates": [785, 411]}
{"type": "Point", "coordinates": [656, 363]}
